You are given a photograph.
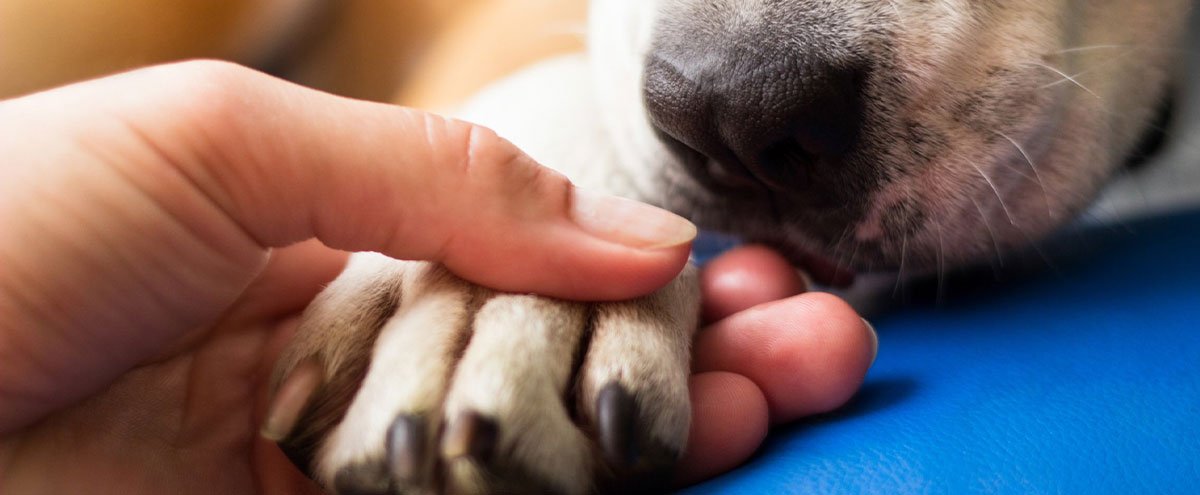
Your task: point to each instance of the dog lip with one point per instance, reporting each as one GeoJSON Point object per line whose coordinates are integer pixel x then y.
{"type": "Point", "coordinates": [819, 266]}
{"type": "Point", "coordinates": [825, 270]}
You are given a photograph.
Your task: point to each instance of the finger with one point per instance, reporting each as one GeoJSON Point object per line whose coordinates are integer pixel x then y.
{"type": "Point", "coordinates": [729, 422]}
{"type": "Point", "coordinates": [808, 353]}
{"type": "Point", "coordinates": [292, 278]}
{"type": "Point", "coordinates": [745, 277]}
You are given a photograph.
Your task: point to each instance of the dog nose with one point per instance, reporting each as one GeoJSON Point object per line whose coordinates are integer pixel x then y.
{"type": "Point", "coordinates": [774, 119]}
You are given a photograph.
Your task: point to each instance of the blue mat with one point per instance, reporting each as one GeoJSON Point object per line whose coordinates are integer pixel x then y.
{"type": "Point", "coordinates": [1084, 378]}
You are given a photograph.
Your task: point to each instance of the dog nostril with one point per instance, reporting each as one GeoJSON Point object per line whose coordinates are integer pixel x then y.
{"type": "Point", "coordinates": [776, 119]}
{"type": "Point", "coordinates": [823, 128]}
{"type": "Point", "coordinates": [787, 161]}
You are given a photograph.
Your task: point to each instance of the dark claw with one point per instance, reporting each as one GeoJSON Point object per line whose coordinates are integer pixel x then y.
{"type": "Point", "coordinates": [470, 435]}
{"type": "Point", "coordinates": [406, 448]}
{"type": "Point", "coordinates": [616, 412]}
{"type": "Point", "coordinates": [363, 478]}
{"type": "Point", "coordinates": [652, 474]}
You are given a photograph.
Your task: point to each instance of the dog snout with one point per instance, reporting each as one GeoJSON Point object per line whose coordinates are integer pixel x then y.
{"type": "Point", "coordinates": [757, 115]}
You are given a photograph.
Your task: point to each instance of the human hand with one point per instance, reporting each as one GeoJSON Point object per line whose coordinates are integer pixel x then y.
{"type": "Point", "coordinates": [771, 353]}
{"type": "Point", "coordinates": [138, 213]}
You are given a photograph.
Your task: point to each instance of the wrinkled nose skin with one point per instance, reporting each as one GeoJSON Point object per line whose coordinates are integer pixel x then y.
{"type": "Point", "coordinates": [761, 115]}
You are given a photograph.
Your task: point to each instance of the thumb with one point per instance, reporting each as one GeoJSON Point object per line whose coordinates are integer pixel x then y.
{"type": "Point", "coordinates": [288, 163]}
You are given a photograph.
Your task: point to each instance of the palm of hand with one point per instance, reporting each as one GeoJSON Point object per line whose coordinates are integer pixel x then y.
{"type": "Point", "coordinates": [186, 421]}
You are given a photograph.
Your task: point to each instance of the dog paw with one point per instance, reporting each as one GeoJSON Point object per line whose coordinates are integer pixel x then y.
{"type": "Point", "coordinates": [405, 379]}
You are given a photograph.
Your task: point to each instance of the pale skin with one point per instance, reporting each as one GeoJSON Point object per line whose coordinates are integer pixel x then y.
{"type": "Point", "coordinates": [164, 228]}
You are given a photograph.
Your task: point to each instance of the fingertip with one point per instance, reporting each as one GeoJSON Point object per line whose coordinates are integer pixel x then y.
{"type": "Point", "coordinates": [598, 270]}
{"type": "Point", "coordinates": [729, 422]}
{"type": "Point", "coordinates": [746, 277]}
{"type": "Point", "coordinates": [560, 263]}
{"type": "Point", "coordinates": [629, 276]}
{"type": "Point", "coordinates": [808, 353]}
{"type": "Point", "coordinates": [628, 222]}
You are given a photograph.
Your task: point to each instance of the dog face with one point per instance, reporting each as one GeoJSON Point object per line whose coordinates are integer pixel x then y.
{"type": "Point", "coordinates": [883, 134]}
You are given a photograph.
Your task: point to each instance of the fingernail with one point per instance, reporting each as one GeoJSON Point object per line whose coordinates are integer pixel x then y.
{"type": "Point", "coordinates": [290, 400]}
{"type": "Point", "coordinates": [874, 340]}
{"type": "Point", "coordinates": [628, 222]}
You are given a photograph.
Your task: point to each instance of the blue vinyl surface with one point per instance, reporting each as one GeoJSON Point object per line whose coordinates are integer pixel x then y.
{"type": "Point", "coordinates": [1084, 378]}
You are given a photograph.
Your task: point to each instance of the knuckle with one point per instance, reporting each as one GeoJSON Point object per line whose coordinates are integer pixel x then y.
{"type": "Point", "coordinates": [483, 152]}
{"type": "Point", "coordinates": [209, 94]}
{"type": "Point", "coordinates": [489, 161]}
{"type": "Point", "coordinates": [210, 70]}
{"type": "Point", "coordinates": [205, 78]}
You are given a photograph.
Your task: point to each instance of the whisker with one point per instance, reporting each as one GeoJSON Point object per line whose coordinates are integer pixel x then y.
{"type": "Point", "coordinates": [837, 247]}
{"type": "Point", "coordinates": [1131, 47]}
{"type": "Point", "coordinates": [900, 271]}
{"type": "Point", "coordinates": [1088, 48]}
{"type": "Point", "coordinates": [1074, 78]}
{"type": "Point", "coordinates": [1036, 174]}
{"type": "Point", "coordinates": [1036, 246]}
{"type": "Point", "coordinates": [1065, 78]}
{"type": "Point", "coordinates": [853, 255]}
{"type": "Point", "coordinates": [999, 197]}
{"type": "Point", "coordinates": [991, 233]}
{"type": "Point", "coordinates": [1110, 216]}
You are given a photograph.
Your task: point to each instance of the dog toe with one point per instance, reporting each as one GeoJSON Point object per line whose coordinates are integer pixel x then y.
{"type": "Point", "coordinates": [633, 383]}
{"type": "Point", "coordinates": [508, 427]}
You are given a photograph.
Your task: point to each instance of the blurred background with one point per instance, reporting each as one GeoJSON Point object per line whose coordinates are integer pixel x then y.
{"type": "Point", "coordinates": [428, 53]}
